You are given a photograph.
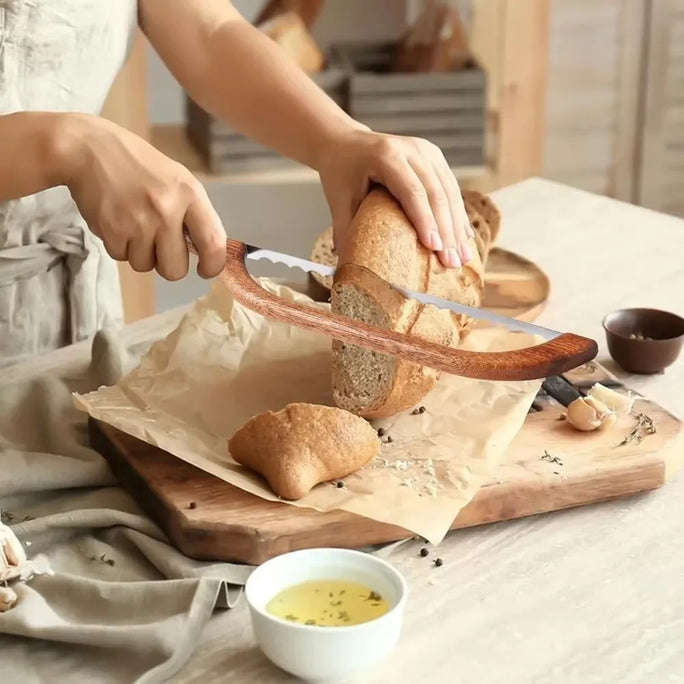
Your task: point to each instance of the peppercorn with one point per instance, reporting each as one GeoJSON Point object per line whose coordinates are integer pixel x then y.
{"type": "Point", "coordinates": [421, 409]}
{"type": "Point", "coordinates": [340, 485]}
{"type": "Point", "coordinates": [424, 552]}
{"type": "Point", "coordinates": [438, 562]}
{"type": "Point", "coordinates": [192, 504]}
{"type": "Point", "coordinates": [381, 432]}
{"type": "Point", "coordinates": [389, 438]}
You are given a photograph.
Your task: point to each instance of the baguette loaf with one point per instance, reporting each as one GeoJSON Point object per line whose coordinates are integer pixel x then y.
{"type": "Point", "coordinates": [382, 246]}
{"type": "Point", "coordinates": [303, 445]}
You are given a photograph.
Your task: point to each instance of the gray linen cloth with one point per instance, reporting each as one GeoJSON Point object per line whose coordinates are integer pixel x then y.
{"type": "Point", "coordinates": [123, 605]}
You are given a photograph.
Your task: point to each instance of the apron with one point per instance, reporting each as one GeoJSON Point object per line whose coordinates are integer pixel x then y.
{"type": "Point", "coordinates": [58, 285]}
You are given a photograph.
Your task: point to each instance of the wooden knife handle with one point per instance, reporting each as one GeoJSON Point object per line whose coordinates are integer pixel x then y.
{"type": "Point", "coordinates": [557, 356]}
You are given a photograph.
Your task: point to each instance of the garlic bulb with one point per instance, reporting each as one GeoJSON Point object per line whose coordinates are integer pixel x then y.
{"type": "Point", "coordinates": [588, 413]}
{"type": "Point", "coordinates": [8, 598]}
{"type": "Point", "coordinates": [12, 554]}
{"type": "Point", "coordinates": [617, 402]}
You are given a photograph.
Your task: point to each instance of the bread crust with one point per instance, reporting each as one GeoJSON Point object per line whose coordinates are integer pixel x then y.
{"type": "Point", "coordinates": [302, 445]}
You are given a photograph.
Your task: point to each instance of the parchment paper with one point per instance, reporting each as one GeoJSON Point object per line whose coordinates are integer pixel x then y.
{"type": "Point", "coordinates": [224, 364]}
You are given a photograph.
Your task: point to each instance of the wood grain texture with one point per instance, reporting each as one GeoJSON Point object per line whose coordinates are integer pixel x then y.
{"type": "Point", "coordinates": [594, 94]}
{"type": "Point", "coordinates": [661, 172]}
{"type": "Point", "coordinates": [553, 357]}
{"type": "Point", "coordinates": [522, 90]}
{"type": "Point", "coordinates": [514, 286]}
{"type": "Point", "coordinates": [211, 519]}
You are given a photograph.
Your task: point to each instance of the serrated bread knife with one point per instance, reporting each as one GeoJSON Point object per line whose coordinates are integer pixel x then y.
{"type": "Point", "coordinates": [559, 353]}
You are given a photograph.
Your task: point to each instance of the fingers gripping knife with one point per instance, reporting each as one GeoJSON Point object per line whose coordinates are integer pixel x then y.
{"type": "Point", "coordinates": [559, 353]}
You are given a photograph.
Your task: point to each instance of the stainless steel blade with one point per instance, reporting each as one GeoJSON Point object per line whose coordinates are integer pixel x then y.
{"type": "Point", "coordinates": [257, 253]}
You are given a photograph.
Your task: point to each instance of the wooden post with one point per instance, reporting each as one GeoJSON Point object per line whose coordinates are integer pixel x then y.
{"type": "Point", "coordinates": [510, 38]}
{"type": "Point", "coordinates": [127, 105]}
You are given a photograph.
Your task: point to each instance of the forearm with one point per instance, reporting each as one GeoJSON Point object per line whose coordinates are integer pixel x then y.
{"type": "Point", "coordinates": [238, 74]}
{"type": "Point", "coordinates": [30, 156]}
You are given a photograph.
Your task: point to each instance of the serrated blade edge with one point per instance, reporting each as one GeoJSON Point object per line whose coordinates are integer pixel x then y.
{"type": "Point", "coordinates": [258, 253]}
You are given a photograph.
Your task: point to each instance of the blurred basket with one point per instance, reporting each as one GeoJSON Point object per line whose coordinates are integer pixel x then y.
{"type": "Point", "coordinates": [225, 150]}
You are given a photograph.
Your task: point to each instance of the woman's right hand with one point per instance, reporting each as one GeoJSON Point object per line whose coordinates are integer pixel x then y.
{"type": "Point", "coordinates": [137, 200]}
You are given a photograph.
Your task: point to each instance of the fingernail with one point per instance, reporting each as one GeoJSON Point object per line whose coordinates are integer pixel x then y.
{"type": "Point", "coordinates": [436, 241]}
{"type": "Point", "coordinates": [452, 257]}
{"type": "Point", "coordinates": [467, 254]}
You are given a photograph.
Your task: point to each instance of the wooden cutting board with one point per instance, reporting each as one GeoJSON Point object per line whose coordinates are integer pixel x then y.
{"type": "Point", "coordinates": [548, 467]}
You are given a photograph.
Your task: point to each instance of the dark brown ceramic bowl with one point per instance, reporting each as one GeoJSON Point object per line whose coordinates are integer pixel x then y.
{"type": "Point", "coordinates": [644, 340]}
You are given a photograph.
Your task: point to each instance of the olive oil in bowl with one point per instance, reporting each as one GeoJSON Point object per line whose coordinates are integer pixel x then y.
{"type": "Point", "coordinates": [328, 603]}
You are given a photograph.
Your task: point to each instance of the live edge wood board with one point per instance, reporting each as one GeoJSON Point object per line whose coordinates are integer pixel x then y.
{"type": "Point", "coordinates": [226, 523]}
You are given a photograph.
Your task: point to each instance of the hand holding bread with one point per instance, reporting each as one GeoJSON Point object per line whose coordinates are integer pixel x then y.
{"type": "Point", "coordinates": [415, 172]}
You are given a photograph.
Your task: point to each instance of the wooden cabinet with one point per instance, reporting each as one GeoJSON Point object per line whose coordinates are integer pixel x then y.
{"type": "Point", "coordinates": [661, 170]}
{"type": "Point", "coordinates": [592, 97]}
{"type": "Point", "coordinates": [614, 107]}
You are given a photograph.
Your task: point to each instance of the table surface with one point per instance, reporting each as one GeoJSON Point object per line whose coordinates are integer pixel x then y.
{"type": "Point", "coordinates": [592, 594]}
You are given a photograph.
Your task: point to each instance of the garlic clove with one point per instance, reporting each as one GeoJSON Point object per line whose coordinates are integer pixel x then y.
{"type": "Point", "coordinates": [12, 554]}
{"type": "Point", "coordinates": [8, 598]}
{"type": "Point", "coordinates": [588, 413]}
{"type": "Point", "coordinates": [616, 401]}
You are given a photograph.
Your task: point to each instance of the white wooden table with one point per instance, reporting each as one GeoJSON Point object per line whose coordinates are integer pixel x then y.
{"type": "Point", "coordinates": [593, 594]}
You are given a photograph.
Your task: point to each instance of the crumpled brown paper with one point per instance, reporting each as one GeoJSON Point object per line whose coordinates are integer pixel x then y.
{"type": "Point", "coordinates": [224, 363]}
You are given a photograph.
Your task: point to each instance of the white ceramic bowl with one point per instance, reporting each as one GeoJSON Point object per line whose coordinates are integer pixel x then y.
{"type": "Point", "coordinates": [325, 654]}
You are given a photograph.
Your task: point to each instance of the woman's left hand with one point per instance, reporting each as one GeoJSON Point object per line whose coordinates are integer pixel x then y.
{"type": "Point", "coordinates": [415, 172]}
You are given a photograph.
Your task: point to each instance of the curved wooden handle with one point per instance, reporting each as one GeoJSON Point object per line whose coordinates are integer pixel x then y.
{"type": "Point", "coordinates": [558, 356]}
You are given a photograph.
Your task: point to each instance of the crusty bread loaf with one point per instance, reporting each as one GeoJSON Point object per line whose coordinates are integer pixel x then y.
{"type": "Point", "coordinates": [303, 445]}
{"type": "Point", "coordinates": [480, 209]}
{"type": "Point", "coordinates": [290, 33]}
{"type": "Point", "coordinates": [382, 245]}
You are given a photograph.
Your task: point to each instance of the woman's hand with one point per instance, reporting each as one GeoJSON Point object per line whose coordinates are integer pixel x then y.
{"type": "Point", "coordinates": [414, 171]}
{"type": "Point", "coordinates": [137, 200]}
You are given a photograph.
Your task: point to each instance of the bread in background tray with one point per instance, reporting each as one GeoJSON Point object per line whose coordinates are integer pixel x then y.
{"type": "Point", "coordinates": [437, 41]}
{"type": "Point", "coordinates": [302, 445]}
{"type": "Point", "coordinates": [382, 246]}
{"type": "Point", "coordinates": [289, 32]}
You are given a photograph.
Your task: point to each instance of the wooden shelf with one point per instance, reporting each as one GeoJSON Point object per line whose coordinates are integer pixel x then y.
{"type": "Point", "coordinates": [172, 141]}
